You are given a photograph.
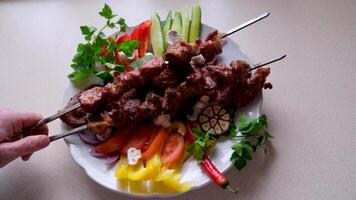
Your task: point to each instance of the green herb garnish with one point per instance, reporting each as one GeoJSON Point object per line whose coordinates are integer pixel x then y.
{"type": "Point", "coordinates": [202, 140]}
{"type": "Point", "coordinates": [98, 49]}
{"type": "Point", "coordinates": [252, 134]}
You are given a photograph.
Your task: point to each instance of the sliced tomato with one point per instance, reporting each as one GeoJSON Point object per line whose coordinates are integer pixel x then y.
{"type": "Point", "coordinates": [139, 138]}
{"type": "Point", "coordinates": [156, 145]}
{"type": "Point", "coordinates": [173, 150]}
{"type": "Point", "coordinates": [115, 143]}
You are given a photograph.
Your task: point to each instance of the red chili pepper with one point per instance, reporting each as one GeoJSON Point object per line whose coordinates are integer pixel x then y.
{"type": "Point", "coordinates": [209, 168]}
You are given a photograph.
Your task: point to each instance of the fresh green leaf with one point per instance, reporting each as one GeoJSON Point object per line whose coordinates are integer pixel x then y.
{"type": "Point", "coordinates": [197, 151]}
{"type": "Point", "coordinates": [79, 74]}
{"type": "Point", "coordinates": [88, 32]}
{"type": "Point", "coordinates": [243, 122]}
{"type": "Point", "coordinates": [105, 76]}
{"type": "Point", "coordinates": [128, 46]}
{"type": "Point", "coordinates": [252, 135]}
{"type": "Point", "coordinates": [121, 22]}
{"type": "Point", "coordinates": [138, 62]}
{"type": "Point", "coordinates": [106, 12]}
{"type": "Point", "coordinates": [116, 67]}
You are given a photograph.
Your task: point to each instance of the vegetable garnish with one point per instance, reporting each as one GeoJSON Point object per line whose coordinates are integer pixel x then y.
{"type": "Point", "coordinates": [157, 35]}
{"type": "Point", "coordinates": [206, 164]}
{"type": "Point", "coordinates": [194, 31]}
{"type": "Point", "coordinates": [201, 142]}
{"type": "Point", "coordinates": [98, 49]}
{"type": "Point", "coordinates": [215, 119]}
{"type": "Point", "coordinates": [250, 136]}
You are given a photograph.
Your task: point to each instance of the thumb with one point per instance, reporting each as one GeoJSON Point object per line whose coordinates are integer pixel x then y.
{"type": "Point", "coordinates": [28, 145]}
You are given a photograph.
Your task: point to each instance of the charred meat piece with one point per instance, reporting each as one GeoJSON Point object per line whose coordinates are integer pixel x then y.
{"type": "Point", "coordinates": [91, 99]}
{"type": "Point", "coordinates": [166, 79]}
{"type": "Point", "coordinates": [181, 53]}
{"type": "Point", "coordinates": [152, 67]}
{"type": "Point", "coordinates": [152, 107]}
{"type": "Point", "coordinates": [77, 117]}
{"type": "Point", "coordinates": [210, 49]}
{"type": "Point", "coordinates": [245, 93]}
{"type": "Point", "coordinates": [100, 123]}
{"type": "Point", "coordinates": [213, 35]}
{"type": "Point", "coordinates": [169, 100]}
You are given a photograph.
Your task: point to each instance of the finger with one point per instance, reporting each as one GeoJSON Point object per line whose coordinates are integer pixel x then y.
{"type": "Point", "coordinates": [43, 130]}
{"type": "Point", "coordinates": [14, 121]}
{"type": "Point", "coordinates": [29, 119]}
{"type": "Point", "coordinates": [27, 145]}
{"type": "Point", "coordinates": [26, 157]}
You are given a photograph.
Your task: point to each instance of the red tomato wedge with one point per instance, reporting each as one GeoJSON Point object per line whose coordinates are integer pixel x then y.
{"type": "Point", "coordinates": [115, 143]}
{"type": "Point", "coordinates": [140, 136]}
{"type": "Point", "coordinates": [156, 145]}
{"type": "Point", "coordinates": [173, 150]}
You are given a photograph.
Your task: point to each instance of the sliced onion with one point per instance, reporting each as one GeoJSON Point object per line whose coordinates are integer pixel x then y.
{"type": "Point", "coordinates": [110, 160]}
{"type": "Point", "coordinates": [88, 138]}
{"type": "Point", "coordinates": [93, 153]}
{"type": "Point", "coordinates": [105, 136]}
{"type": "Point", "coordinates": [173, 37]}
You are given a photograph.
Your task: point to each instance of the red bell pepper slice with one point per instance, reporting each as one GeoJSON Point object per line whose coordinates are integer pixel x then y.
{"type": "Point", "coordinates": [142, 34]}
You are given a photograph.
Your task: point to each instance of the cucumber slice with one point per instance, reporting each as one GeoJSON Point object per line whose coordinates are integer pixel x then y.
{"type": "Point", "coordinates": [177, 23]}
{"type": "Point", "coordinates": [195, 25]}
{"type": "Point", "coordinates": [157, 35]}
{"type": "Point", "coordinates": [185, 23]}
{"type": "Point", "coordinates": [166, 28]}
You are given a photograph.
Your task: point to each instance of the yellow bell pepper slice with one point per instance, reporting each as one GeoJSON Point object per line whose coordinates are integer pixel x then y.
{"type": "Point", "coordinates": [121, 169]}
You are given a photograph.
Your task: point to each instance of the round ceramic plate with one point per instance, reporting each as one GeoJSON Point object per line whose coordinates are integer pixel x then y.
{"type": "Point", "coordinates": [220, 154]}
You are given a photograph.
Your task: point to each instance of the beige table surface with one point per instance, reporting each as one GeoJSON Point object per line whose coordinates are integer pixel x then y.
{"type": "Point", "coordinates": [311, 109]}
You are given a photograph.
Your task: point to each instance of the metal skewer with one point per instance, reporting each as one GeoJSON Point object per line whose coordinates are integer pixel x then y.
{"type": "Point", "coordinates": [246, 24]}
{"type": "Point", "coordinates": [65, 134]}
{"type": "Point", "coordinates": [256, 66]}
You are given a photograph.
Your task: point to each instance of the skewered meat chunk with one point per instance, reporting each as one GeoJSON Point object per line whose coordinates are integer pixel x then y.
{"type": "Point", "coordinates": [181, 53]}
{"type": "Point", "coordinates": [210, 49]}
{"type": "Point", "coordinates": [152, 67]}
{"type": "Point", "coordinates": [167, 78]}
{"type": "Point", "coordinates": [250, 89]}
{"type": "Point", "coordinates": [77, 117]}
{"type": "Point", "coordinates": [90, 99]}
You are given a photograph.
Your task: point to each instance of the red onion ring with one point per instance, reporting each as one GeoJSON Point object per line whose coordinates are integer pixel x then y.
{"type": "Point", "coordinates": [88, 138]}
{"type": "Point", "coordinates": [110, 160]}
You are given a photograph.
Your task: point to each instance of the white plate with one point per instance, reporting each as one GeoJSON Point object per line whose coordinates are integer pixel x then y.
{"type": "Point", "coordinates": [220, 155]}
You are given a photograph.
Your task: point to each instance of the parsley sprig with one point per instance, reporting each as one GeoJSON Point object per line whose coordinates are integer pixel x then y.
{"type": "Point", "coordinates": [252, 135]}
{"type": "Point", "coordinates": [203, 140]}
{"type": "Point", "coordinates": [90, 52]}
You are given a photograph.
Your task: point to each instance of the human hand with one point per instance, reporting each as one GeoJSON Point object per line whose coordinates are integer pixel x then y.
{"type": "Point", "coordinates": [11, 122]}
